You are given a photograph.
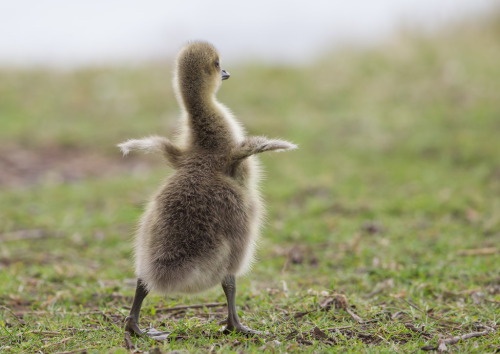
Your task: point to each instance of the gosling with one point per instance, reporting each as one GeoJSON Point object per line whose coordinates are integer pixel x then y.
{"type": "Point", "coordinates": [201, 227]}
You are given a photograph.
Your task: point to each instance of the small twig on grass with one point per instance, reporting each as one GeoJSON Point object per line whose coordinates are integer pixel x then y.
{"type": "Point", "coordinates": [397, 314]}
{"type": "Point", "coordinates": [420, 330]}
{"type": "Point", "coordinates": [454, 340]}
{"type": "Point", "coordinates": [13, 315]}
{"type": "Point", "coordinates": [341, 303]}
{"type": "Point", "coordinates": [354, 316]}
{"type": "Point", "coordinates": [200, 306]}
{"type": "Point", "coordinates": [43, 333]}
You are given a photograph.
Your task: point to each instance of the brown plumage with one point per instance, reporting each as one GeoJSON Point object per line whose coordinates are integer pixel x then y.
{"type": "Point", "coordinates": [200, 228]}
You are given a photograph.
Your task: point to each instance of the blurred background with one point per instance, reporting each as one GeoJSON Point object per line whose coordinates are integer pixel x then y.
{"type": "Point", "coordinates": [60, 33]}
{"type": "Point", "coordinates": [90, 74]}
{"type": "Point", "coordinates": [395, 106]}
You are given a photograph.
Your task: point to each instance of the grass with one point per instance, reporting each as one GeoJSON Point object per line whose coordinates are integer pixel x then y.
{"type": "Point", "coordinates": [392, 200]}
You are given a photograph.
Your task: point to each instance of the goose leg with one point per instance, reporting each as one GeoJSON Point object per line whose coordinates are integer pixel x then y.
{"type": "Point", "coordinates": [233, 321]}
{"type": "Point", "coordinates": [132, 320]}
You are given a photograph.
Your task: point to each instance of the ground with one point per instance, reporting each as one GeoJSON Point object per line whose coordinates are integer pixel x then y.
{"type": "Point", "coordinates": [383, 229]}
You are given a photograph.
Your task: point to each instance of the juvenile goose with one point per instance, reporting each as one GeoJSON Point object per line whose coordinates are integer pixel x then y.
{"type": "Point", "coordinates": [200, 228]}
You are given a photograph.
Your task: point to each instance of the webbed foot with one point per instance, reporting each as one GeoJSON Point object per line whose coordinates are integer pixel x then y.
{"type": "Point", "coordinates": [239, 328]}
{"type": "Point", "coordinates": [132, 327]}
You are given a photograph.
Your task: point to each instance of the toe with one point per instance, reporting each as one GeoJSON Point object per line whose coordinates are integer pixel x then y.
{"type": "Point", "coordinates": [155, 332]}
{"type": "Point", "coordinates": [157, 335]}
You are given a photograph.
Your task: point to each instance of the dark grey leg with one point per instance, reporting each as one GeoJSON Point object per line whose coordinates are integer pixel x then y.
{"type": "Point", "coordinates": [132, 320]}
{"type": "Point", "coordinates": [233, 321]}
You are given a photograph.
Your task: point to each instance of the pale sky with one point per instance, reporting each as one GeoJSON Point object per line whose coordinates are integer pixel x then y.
{"type": "Point", "coordinates": [72, 33]}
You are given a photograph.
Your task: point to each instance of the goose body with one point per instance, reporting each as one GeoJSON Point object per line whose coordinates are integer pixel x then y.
{"type": "Point", "coordinates": [200, 228]}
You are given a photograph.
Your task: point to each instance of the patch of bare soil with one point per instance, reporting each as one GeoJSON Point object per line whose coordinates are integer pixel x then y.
{"type": "Point", "coordinates": [57, 164]}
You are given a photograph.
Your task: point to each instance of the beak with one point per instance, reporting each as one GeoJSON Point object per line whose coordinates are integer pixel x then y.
{"type": "Point", "coordinates": [225, 75]}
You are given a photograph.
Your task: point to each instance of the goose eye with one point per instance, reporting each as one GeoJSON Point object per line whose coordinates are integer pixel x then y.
{"type": "Point", "coordinates": [217, 64]}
